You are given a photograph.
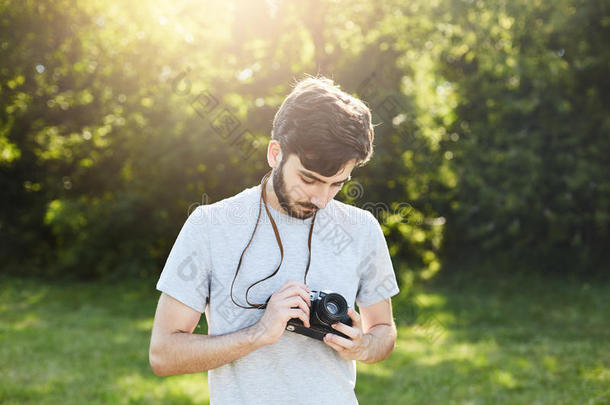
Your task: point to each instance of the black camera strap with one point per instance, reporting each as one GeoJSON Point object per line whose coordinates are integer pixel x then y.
{"type": "Point", "coordinates": [263, 202]}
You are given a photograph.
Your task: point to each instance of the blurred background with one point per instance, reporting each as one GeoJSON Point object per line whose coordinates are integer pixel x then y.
{"type": "Point", "coordinates": [490, 179]}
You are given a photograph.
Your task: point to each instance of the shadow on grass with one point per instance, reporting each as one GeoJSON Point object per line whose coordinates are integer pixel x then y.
{"type": "Point", "coordinates": [494, 342]}
{"type": "Point", "coordinates": [500, 341]}
{"type": "Point", "coordinates": [75, 343]}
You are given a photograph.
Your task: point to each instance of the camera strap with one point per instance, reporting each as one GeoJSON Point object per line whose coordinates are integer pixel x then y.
{"type": "Point", "coordinates": [263, 202]}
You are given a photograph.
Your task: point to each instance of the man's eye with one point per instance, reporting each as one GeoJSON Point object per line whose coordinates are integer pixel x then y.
{"type": "Point", "coordinates": [306, 182]}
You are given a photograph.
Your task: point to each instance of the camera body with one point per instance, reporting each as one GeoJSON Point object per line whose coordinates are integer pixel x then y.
{"type": "Point", "coordinates": [326, 308]}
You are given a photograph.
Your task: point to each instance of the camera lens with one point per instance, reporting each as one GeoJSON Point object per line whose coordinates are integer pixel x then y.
{"type": "Point", "coordinates": [332, 308]}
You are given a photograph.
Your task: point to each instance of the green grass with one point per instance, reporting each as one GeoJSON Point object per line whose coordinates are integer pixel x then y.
{"type": "Point", "coordinates": [463, 342]}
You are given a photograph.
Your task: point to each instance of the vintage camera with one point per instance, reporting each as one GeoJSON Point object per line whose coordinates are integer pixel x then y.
{"type": "Point", "coordinates": [326, 308]}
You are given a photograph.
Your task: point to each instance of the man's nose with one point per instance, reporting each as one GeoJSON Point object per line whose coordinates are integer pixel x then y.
{"type": "Point", "coordinates": [319, 201]}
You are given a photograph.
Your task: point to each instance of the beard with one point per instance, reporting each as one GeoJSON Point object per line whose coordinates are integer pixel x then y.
{"type": "Point", "coordinates": [283, 197]}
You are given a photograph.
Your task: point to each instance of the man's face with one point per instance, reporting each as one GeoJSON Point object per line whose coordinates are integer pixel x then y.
{"type": "Point", "coordinates": [302, 192]}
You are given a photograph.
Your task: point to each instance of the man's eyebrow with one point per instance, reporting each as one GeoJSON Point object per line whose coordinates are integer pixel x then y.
{"type": "Point", "coordinates": [311, 176]}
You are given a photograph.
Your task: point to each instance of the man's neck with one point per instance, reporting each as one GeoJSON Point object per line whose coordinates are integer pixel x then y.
{"type": "Point", "coordinates": [271, 198]}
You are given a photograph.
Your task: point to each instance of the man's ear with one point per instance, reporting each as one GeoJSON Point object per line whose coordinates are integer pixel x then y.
{"type": "Point", "coordinates": [274, 154]}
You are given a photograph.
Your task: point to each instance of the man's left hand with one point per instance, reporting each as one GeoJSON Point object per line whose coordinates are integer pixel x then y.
{"type": "Point", "coordinates": [354, 348]}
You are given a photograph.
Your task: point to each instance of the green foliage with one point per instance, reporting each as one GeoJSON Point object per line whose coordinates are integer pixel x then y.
{"type": "Point", "coordinates": [492, 125]}
{"type": "Point", "coordinates": [533, 128]}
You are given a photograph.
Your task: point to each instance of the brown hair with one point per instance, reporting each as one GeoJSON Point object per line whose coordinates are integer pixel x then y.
{"type": "Point", "coordinates": [324, 126]}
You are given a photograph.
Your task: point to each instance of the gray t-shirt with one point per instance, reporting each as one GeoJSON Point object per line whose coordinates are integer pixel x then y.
{"type": "Point", "coordinates": [349, 255]}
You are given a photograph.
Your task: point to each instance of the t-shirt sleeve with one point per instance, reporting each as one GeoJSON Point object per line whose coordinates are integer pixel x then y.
{"type": "Point", "coordinates": [187, 271]}
{"type": "Point", "coordinates": [377, 278]}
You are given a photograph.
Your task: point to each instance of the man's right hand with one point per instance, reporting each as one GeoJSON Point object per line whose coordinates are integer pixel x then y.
{"type": "Point", "coordinates": [290, 301]}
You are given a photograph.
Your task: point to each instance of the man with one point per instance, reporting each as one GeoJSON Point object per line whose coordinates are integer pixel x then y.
{"type": "Point", "coordinates": [250, 262]}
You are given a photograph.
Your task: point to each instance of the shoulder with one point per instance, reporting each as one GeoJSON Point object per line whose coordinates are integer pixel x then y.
{"type": "Point", "coordinates": [353, 216]}
{"type": "Point", "coordinates": [233, 209]}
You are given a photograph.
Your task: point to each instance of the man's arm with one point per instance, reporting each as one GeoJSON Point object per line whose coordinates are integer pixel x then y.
{"type": "Point", "coordinates": [174, 349]}
{"type": "Point", "coordinates": [378, 324]}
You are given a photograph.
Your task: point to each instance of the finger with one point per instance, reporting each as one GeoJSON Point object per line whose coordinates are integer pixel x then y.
{"type": "Point", "coordinates": [298, 313]}
{"type": "Point", "coordinates": [348, 330]}
{"type": "Point", "coordinates": [340, 341]}
{"type": "Point", "coordinates": [335, 346]}
{"type": "Point", "coordinates": [297, 301]}
{"type": "Point", "coordinates": [355, 316]}
{"type": "Point", "coordinates": [293, 283]}
{"type": "Point", "coordinates": [294, 291]}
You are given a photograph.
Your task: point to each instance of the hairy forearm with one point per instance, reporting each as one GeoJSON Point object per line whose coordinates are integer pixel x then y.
{"type": "Point", "coordinates": [184, 353]}
{"type": "Point", "coordinates": [381, 341]}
